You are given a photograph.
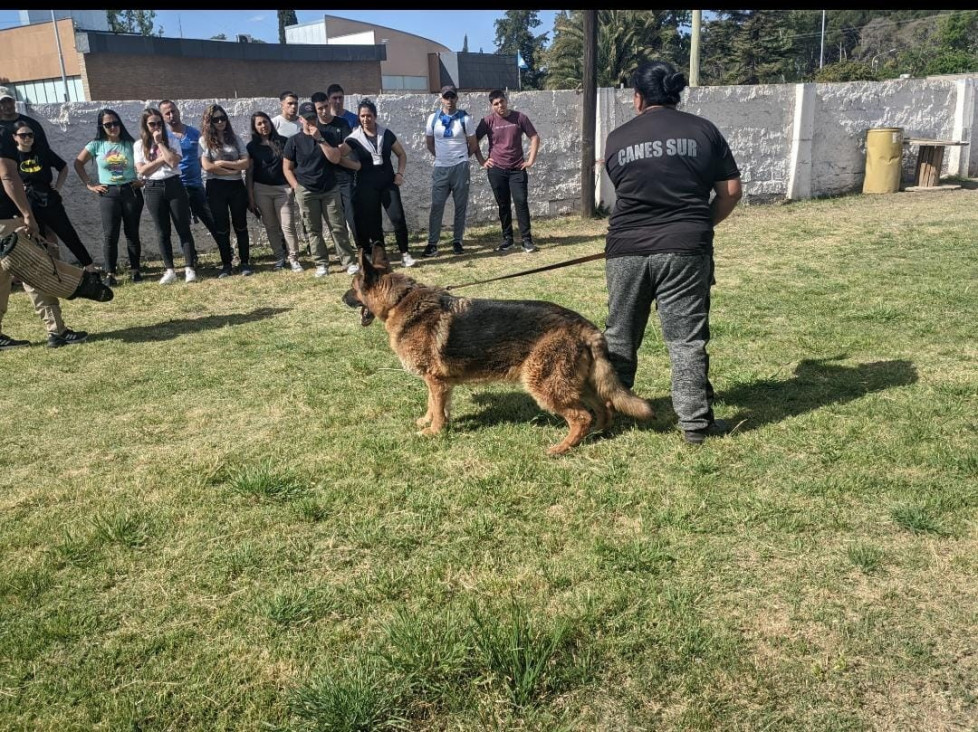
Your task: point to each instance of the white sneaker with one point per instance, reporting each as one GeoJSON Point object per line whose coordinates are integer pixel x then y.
{"type": "Point", "coordinates": [407, 260]}
{"type": "Point", "coordinates": [189, 275]}
{"type": "Point", "coordinates": [168, 277]}
{"type": "Point", "coordinates": [296, 265]}
{"type": "Point", "coordinates": [353, 269]}
{"type": "Point", "coordinates": [322, 271]}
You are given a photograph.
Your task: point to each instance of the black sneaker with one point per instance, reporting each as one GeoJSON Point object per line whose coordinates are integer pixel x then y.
{"type": "Point", "coordinates": [528, 246]}
{"type": "Point", "coordinates": [6, 343]}
{"type": "Point", "coordinates": [68, 338]}
{"type": "Point", "coordinates": [430, 250]}
{"type": "Point", "coordinates": [457, 247]}
{"type": "Point", "coordinates": [109, 280]}
{"type": "Point", "coordinates": [137, 276]}
{"type": "Point", "coordinates": [225, 272]}
{"type": "Point", "coordinates": [718, 428]}
{"type": "Point", "coordinates": [279, 265]}
{"type": "Point", "coordinates": [505, 246]}
{"type": "Point", "coordinates": [246, 270]}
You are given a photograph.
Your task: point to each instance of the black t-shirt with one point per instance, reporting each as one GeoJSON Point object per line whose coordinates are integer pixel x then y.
{"type": "Point", "coordinates": [36, 168]}
{"type": "Point", "coordinates": [313, 171]}
{"type": "Point", "coordinates": [371, 173]}
{"type": "Point", "coordinates": [663, 164]}
{"type": "Point", "coordinates": [335, 133]}
{"type": "Point", "coordinates": [267, 163]}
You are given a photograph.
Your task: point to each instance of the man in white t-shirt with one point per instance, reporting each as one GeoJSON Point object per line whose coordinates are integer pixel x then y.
{"type": "Point", "coordinates": [287, 123]}
{"type": "Point", "coordinates": [450, 137]}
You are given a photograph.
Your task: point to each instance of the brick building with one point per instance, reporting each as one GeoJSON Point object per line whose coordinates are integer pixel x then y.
{"type": "Point", "coordinates": [109, 66]}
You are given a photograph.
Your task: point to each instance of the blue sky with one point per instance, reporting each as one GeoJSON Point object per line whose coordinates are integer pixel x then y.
{"type": "Point", "coordinates": [445, 26]}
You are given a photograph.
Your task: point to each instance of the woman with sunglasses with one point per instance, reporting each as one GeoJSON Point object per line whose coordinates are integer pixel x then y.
{"type": "Point", "coordinates": [223, 157]}
{"type": "Point", "coordinates": [269, 194]}
{"type": "Point", "coordinates": [36, 166]}
{"type": "Point", "coordinates": [159, 165]}
{"type": "Point", "coordinates": [118, 188]}
{"type": "Point", "coordinates": [378, 186]}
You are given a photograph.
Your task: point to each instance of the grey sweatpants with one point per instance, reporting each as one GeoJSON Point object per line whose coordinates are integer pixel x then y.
{"type": "Point", "coordinates": [679, 284]}
{"type": "Point", "coordinates": [454, 179]}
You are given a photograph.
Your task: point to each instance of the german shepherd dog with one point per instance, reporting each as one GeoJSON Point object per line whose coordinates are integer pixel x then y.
{"type": "Point", "coordinates": [558, 356]}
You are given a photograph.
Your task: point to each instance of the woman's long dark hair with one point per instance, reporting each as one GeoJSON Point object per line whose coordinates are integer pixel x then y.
{"type": "Point", "coordinates": [209, 132]}
{"type": "Point", "coordinates": [100, 130]}
{"type": "Point", "coordinates": [146, 136]}
{"type": "Point", "coordinates": [276, 140]}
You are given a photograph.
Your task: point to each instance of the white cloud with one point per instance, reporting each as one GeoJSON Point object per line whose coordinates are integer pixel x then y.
{"type": "Point", "coordinates": [256, 19]}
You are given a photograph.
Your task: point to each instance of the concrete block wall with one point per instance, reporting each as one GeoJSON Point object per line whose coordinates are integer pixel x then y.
{"type": "Point", "coordinates": [790, 140]}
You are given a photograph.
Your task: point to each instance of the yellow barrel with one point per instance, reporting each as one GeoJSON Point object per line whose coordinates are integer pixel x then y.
{"type": "Point", "coordinates": [884, 160]}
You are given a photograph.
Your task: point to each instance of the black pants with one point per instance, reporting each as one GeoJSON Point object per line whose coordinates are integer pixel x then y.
{"type": "Point", "coordinates": [368, 199]}
{"type": "Point", "coordinates": [168, 198]}
{"type": "Point", "coordinates": [53, 217]}
{"type": "Point", "coordinates": [120, 206]}
{"type": "Point", "coordinates": [199, 207]}
{"type": "Point", "coordinates": [224, 196]}
{"type": "Point", "coordinates": [511, 185]}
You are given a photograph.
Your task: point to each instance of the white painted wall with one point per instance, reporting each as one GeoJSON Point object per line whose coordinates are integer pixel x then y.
{"type": "Point", "coordinates": [779, 154]}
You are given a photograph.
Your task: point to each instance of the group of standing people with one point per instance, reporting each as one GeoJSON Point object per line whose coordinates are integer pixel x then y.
{"type": "Point", "coordinates": [673, 172]}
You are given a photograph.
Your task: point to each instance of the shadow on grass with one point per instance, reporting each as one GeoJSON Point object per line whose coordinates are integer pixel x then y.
{"type": "Point", "coordinates": [173, 328]}
{"type": "Point", "coordinates": [815, 383]}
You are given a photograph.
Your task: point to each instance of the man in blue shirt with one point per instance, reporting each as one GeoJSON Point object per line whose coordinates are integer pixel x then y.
{"type": "Point", "coordinates": [190, 176]}
{"type": "Point", "coordinates": [336, 98]}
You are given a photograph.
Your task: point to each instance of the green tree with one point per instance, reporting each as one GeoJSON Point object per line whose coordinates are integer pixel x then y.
{"type": "Point", "coordinates": [761, 50]}
{"type": "Point", "coordinates": [219, 37]}
{"type": "Point", "coordinates": [514, 34]}
{"type": "Point", "coordinates": [465, 43]}
{"type": "Point", "coordinates": [626, 38]}
{"type": "Point", "coordinates": [847, 71]}
{"type": "Point", "coordinates": [132, 21]}
{"type": "Point", "coordinates": [285, 17]}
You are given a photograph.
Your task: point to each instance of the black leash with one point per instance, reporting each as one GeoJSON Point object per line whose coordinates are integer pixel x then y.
{"type": "Point", "coordinates": [579, 260]}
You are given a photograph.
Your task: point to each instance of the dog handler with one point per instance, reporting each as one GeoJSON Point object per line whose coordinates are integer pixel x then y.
{"type": "Point", "coordinates": [664, 165]}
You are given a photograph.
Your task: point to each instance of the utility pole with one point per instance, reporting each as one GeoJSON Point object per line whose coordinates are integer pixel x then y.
{"type": "Point", "coordinates": [61, 56]}
{"type": "Point", "coordinates": [821, 53]}
{"type": "Point", "coordinates": [694, 50]}
{"type": "Point", "coordinates": [590, 101]}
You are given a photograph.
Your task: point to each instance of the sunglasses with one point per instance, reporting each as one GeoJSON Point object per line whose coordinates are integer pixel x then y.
{"type": "Point", "coordinates": [23, 134]}
{"type": "Point", "coordinates": [450, 95]}
{"type": "Point", "coordinates": [111, 124]}
{"type": "Point", "coordinates": [215, 120]}
{"type": "Point", "coordinates": [153, 125]}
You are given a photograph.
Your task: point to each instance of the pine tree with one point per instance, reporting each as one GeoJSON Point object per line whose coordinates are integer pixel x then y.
{"type": "Point", "coordinates": [285, 17]}
{"type": "Point", "coordinates": [465, 43]}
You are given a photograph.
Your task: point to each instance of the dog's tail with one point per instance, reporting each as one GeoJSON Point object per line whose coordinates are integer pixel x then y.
{"type": "Point", "coordinates": [610, 388]}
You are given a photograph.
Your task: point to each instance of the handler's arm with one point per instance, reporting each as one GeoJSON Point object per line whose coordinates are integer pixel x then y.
{"type": "Point", "coordinates": [13, 186]}
{"type": "Point", "coordinates": [728, 193]}
{"type": "Point", "coordinates": [288, 168]}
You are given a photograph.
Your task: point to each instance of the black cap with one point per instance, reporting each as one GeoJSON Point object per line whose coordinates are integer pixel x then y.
{"type": "Point", "coordinates": [449, 88]}
{"type": "Point", "coordinates": [307, 110]}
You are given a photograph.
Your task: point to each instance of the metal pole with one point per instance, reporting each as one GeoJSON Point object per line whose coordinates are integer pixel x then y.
{"type": "Point", "coordinates": [61, 56]}
{"type": "Point", "coordinates": [821, 53]}
{"type": "Point", "coordinates": [590, 101]}
{"type": "Point", "coordinates": [694, 50]}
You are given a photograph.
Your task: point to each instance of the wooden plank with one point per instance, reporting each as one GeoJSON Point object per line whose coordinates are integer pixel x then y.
{"type": "Point", "coordinates": [929, 161]}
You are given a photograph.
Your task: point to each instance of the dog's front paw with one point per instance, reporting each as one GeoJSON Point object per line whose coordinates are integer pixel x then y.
{"type": "Point", "coordinates": [429, 432]}
{"type": "Point", "coordinates": [423, 421]}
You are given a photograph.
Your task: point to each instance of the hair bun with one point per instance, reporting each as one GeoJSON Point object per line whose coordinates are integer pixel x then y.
{"type": "Point", "coordinates": [674, 83]}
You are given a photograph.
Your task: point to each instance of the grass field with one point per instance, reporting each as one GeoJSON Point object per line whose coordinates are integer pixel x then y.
{"type": "Point", "coordinates": [217, 514]}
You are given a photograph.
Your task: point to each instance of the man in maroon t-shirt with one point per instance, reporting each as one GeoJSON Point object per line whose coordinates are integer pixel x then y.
{"type": "Point", "coordinates": [506, 166]}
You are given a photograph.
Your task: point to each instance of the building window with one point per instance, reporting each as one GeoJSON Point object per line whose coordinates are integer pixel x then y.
{"type": "Point", "coordinates": [48, 91]}
{"type": "Point", "coordinates": [404, 83]}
